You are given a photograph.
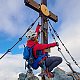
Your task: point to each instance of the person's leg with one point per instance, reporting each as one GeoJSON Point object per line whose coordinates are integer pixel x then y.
{"type": "Point", "coordinates": [52, 62]}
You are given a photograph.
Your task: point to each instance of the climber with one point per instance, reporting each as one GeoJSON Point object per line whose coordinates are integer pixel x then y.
{"type": "Point", "coordinates": [50, 62]}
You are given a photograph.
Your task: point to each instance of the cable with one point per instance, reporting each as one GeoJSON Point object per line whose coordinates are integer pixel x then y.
{"type": "Point", "coordinates": [9, 50]}
{"type": "Point", "coordinates": [68, 63]}
{"type": "Point", "coordinates": [64, 45]}
{"type": "Point", "coordinates": [59, 49]}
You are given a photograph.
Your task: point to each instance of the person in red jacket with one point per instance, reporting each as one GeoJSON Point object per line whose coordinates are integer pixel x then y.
{"type": "Point", "coordinates": [50, 62]}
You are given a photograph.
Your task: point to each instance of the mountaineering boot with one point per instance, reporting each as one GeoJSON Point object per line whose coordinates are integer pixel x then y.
{"type": "Point", "coordinates": [49, 74]}
{"type": "Point", "coordinates": [46, 73]}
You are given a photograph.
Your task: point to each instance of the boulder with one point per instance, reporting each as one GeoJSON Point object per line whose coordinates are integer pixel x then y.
{"type": "Point", "coordinates": [60, 74]}
{"type": "Point", "coordinates": [27, 76]}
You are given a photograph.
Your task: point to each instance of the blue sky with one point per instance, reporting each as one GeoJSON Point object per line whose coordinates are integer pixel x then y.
{"type": "Point", "coordinates": [15, 18]}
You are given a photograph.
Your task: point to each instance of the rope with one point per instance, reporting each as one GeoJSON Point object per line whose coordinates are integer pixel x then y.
{"type": "Point", "coordinates": [64, 46]}
{"type": "Point", "coordinates": [9, 50]}
{"type": "Point", "coordinates": [68, 63]}
{"type": "Point", "coordinates": [59, 49]}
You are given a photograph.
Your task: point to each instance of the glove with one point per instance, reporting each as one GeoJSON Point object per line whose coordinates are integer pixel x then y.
{"type": "Point", "coordinates": [57, 44]}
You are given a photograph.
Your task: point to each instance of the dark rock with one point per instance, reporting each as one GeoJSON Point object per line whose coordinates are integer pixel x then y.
{"type": "Point", "coordinates": [59, 74]}
{"type": "Point", "coordinates": [22, 76]}
{"type": "Point", "coordinates": [27, 76]}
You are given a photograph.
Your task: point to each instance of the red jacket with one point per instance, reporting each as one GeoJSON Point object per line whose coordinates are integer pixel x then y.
{"type": "Point", "coordinates": [38, 46]}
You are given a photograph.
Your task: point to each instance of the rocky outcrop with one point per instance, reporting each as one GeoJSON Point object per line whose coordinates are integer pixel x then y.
{"type": "Point", "coordinates": [59, 74]}
{"type": "Point", "coordinates": [27, 76]}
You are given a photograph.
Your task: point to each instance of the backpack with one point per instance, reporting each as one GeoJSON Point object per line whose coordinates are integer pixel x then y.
{"type": "Point", "coordinates": [28, 56]}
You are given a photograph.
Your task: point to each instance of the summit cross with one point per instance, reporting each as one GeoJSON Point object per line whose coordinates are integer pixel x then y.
{"type": "Point", "coordinates": [44, 14]}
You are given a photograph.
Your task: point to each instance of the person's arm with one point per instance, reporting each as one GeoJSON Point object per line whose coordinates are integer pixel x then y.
{"type": "Point", "coordinates": [38, 29]}
{"type": "Point", "coordinates": [44, 46]}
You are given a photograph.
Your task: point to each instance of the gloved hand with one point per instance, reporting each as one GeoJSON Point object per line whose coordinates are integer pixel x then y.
{"type": "Point", "coordinates": [57, 44]}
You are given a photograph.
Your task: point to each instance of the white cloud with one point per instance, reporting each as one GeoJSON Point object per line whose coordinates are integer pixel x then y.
{"type": "Point", "coordinates": [10, 66]}
{"type": "Point", "coordinates": [11, 16]}
{"type": "Point", "coordinates": [21, 46]}
{"type": "Point", "coordinates": [70, 27]}
{"type": "Point", "coordinates": [69, 30]}
{"type": "Point", "coordinates": [14, 17]}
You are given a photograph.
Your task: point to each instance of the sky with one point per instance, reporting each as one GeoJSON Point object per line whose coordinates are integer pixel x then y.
{"type": "Point", "coordinates": [15, 18]}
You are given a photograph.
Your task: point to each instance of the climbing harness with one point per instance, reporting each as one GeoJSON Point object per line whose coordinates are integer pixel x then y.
{"type": "Point", "coordinates": [59, 49]}
{"type": "Point", "coordinates": [9, 50]}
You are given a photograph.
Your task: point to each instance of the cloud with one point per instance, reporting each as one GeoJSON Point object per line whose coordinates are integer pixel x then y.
{"type": "Point", "coordinates": [6, 10]}
{"type": "Point", "coordinates": [12, 17]}
{"type": "Point", "coordinates": [69, 30]}
{"type": "Point", "coordinates": [21, 46]}
{"type": "Point", "coordinates": [10, 66]}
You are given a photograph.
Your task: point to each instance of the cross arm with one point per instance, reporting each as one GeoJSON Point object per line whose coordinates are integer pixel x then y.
{"type": "Point", "coordinates": [53, 17]}
{"type": "Point", "coordinates": [32, 4]}
{"type": "Point", "coordinates": [35, 6]}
